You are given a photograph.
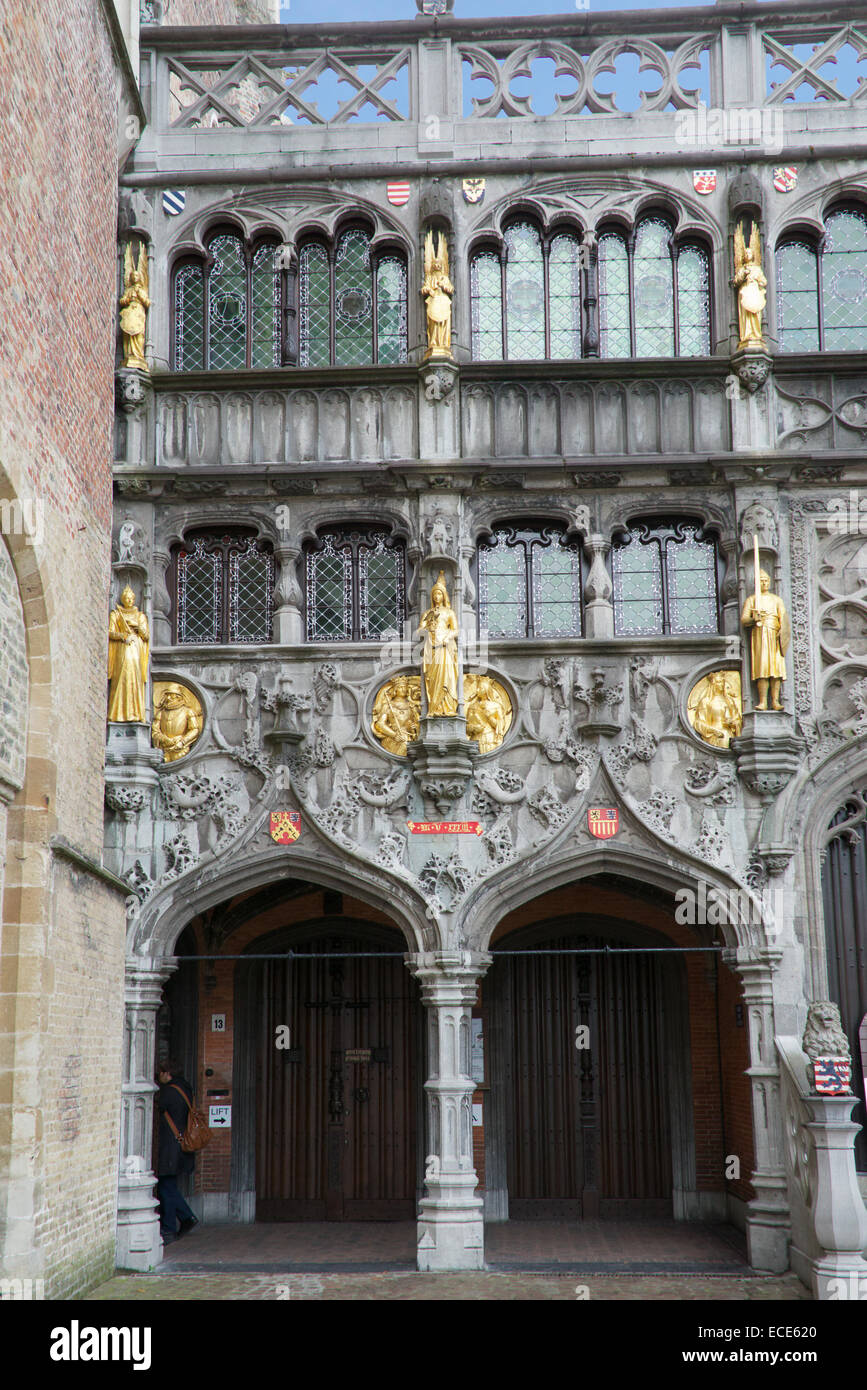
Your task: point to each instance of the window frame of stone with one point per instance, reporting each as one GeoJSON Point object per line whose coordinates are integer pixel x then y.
{"type": "Point", "coordinates": [820, 248]}
{"type": "Point", "coordinates": [531, 535]}
{"type": "Point", "coordinates": [229, 544]}
{"type": "Point", "coordinates": [356, 537]}
{"type": "Point", "coordinates": [663, 530]}
{"type": "Point", "coordinates": [677, 246]}
{"type": "Point", "coordinates": [499, 249]}
{"type": "Point", "coordinates": [207, 265]}
{"type": "Point", "coordinates": [378, 253]}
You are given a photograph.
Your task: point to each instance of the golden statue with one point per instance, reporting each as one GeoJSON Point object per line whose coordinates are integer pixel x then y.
{"type": "Point", "coordinates": [437, 290]}
{"type": "Point", "coordinates": [765, 613]}
{"type": "Point", "coordinates": [440, 660]}
{"type": "Point", "coordinates": [177, 720]}
{"type": "Point", "coordinates": [751, 283]}
{"type": "Point", "coordinates": [128, 649]}
{"type": "Point", "coordinates": [489, 712]}
{"type": "Point", "coordinates": [714, 707]}
{"type": "Point", "coordinates": [397, 713]}
{"type": "Point", "coordinates": [134, 304]}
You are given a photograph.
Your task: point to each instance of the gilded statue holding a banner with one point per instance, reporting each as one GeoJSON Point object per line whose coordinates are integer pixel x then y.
{"type": "Point", "coordinates": [128, 651]}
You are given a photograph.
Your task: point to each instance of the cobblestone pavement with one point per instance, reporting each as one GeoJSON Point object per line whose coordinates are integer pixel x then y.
{"type": "Point", "coordinates": [481, 1287]}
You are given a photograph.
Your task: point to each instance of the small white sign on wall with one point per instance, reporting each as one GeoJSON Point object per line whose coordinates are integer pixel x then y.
{"type": "Point", "coordinates": [218, 1023]}
{"type": "Point", "coordinates": [219, 1117]}
{"type": "Point", "coordinates": [478, 1118]}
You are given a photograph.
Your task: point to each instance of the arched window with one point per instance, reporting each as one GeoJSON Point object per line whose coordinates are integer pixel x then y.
{"type": "Point", "coordinates": [654, 295]}
{"type": "Point", "coordinates": [822, 293]}
{"type": "Point", "coordinates": [356, 586]}
{"type": "Point", "coordinates": [228, 310]}
{"type": "Point", "coordinates": [665, 579]}
{"type": "Point", "coordinates": [525, 302]}
{"type": "Point", "coordinates": [224, 587]}
{"type": "Point", "coordinates": [529, 583]}
{"type": "Point", "coordinates": [352, 305]}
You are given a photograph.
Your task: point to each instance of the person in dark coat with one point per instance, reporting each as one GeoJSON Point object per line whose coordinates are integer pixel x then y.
{"type": "Point", "coordinates": [171, 1159]}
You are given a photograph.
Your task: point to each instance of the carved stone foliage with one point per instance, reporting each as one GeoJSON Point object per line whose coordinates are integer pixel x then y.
{"type": "Point", "coordinates": [840, 614]}
{"type": "Point", "coordinates": [126, 801]}
{"type": "Point", "coordinates": [714, 783]}
{"type": "Point", "coordinates": [194, 795]}
{"type": "Point", "coordinates": [571, 418]}
{"type": "Point", "coordinates": [359, 424]}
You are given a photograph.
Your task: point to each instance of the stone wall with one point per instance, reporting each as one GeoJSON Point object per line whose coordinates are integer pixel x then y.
{"type": "Point", "coordinates": [60, 962]}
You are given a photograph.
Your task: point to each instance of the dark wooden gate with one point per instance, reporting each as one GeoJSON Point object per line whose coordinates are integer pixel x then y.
{"type": "Point", "coordinates": [588, 1128]}
{"type": "Point", "coordinates": [336, 1110]}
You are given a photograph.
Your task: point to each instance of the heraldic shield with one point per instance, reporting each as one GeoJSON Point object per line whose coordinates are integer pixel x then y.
{"type": "Point", "coordinates": [285, 826]}
{"type": "Point", "coordinates": [603, 821]}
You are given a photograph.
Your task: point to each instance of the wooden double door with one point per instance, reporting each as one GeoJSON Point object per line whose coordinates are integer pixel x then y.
{"type": "Point", "coordinates": [592, 1061]}
{"type": "Point", "coordinates": [338, 1103]}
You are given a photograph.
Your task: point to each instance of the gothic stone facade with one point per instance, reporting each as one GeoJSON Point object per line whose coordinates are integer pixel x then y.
{"type": "Point", "coordinates": [571, 411]}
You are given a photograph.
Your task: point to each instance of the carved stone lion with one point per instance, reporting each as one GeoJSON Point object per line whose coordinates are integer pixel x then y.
{"type": "Point", "coordinates": [823, 1035]}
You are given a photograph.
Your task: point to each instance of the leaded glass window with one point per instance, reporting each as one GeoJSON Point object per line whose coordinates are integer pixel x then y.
{"type": "Point", "coordinates": [798, 297]}
{"type": "Point", "coordinates": [190, 318]}
{"type": "Point", "coordinates": [224, 586]}
{"type": "Point", "coordinates": [530, 584]}
{"type": "Point", "coordinates": [525, 301]}
{"type": "Point", "coordinates": [356, 587]}
{"type": "Point", "coordinates": [844, 282]}
{"type": "Point", "coordinates": [352, 308]}
{"type": "Point", "coordinates": [665, 580]}
{"type": "Point", "coordinates": [822, 291]}
{"type": "Point", "coordinates": [654, 297]}
{"type": "Point", "coordinates": [228, 312]}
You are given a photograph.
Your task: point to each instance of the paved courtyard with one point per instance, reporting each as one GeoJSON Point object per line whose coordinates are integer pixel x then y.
{"type": "Point", "coordinates": [526, 1261]}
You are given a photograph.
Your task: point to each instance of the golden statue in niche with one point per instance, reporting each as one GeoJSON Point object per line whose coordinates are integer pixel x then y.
{"type": "Point", "coordinates": [437, 290]}
{"type": "Point", "coordinates": [397, 713]}
{"type": "Point", "coordinates": [177, 721]}
{"type": "Point", "coordinates": [489, 712]}
{"type": "Point", "coordinates": [128, 651]}
{"type": "Point", "coordinates": [715, 709]}
{"type": "Point", "coordinates": [751, 285]}
{"type": "Point", "coordinates": [134, 304]}
{"type": "Point", "coordinates": [440, 660]}
{"type": "Point", "coordinates": [766, 614]}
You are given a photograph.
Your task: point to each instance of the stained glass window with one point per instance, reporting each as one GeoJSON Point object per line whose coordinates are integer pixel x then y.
{"type": "Point", "coordinates": [822, 291]}
{"type": "Point", "coordinates": [225, 588]}
{"type": "Point", "coordinates": [355, 587]}
{"type": "Point", "coordinates": [352, 311]}
{"type": "Point", "coordinates": [530, 584]}
{"type": "Point", "coordinates": [665, 580]}
{"type": "Point", "coordinates": [639, 286]}
{"type": "Point", "coordinates": [542, 316]}
{"type": "Point", "coordinates": [228, 316]}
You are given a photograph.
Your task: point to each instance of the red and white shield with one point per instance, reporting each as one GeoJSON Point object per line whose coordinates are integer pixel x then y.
{"type": "Point", "coordinates": [603, 821]}
{"type": "Point", "coordinates": [832, 1075]}
{"type": "Point", "coordinates": [398, 193]}
{"type": "Point", "coordinates": [786, 179]}
{"type": "Point", "coordinates": [704, 180]}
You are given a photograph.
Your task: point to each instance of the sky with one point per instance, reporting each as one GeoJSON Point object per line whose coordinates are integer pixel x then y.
{"type": "Point", "coordinates": [315, 11]}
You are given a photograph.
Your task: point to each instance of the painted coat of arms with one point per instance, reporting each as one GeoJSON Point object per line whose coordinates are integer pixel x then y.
{"type": "Point", "coordinates": [603, 821]}
{"type": "Point", "coordinates": [832, 1075]}
{"type": "Point", "coordinates": [704, 180]}
{"type": "Point", "coordinates": [285, 827]}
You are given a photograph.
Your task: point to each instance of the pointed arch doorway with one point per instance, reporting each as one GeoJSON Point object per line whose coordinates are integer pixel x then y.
{"type": "Point", "coordinates": [329, 1048]}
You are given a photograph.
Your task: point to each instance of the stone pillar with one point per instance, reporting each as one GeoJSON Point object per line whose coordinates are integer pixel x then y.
{"type": "Point", "coordinates": [288, 622]}
{"type": "Point", "coordinates": [450, 1225]}
{"type": "Point", "coordinates": [768, 1216]}
{"type": "Point", "coordinates": [161, 613]}
{"type": "Point", "coordinates": [598, 609]}
{"type": "Point", "coordinates": [839, 1216]}
{"type": "Point", "coordinates": [139, 1245]}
